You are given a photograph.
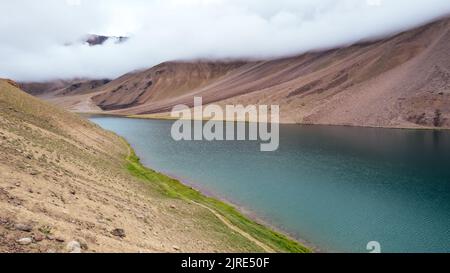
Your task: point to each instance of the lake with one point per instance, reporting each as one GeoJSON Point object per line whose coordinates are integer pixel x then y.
{"type": "Point", "coordinates": [337, 188]}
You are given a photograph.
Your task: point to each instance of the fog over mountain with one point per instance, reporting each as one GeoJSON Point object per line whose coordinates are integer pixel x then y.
{"type": "Point", "coordinates": [38, 37]}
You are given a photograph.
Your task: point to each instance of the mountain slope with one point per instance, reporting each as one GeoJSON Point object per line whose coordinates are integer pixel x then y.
{"type": "Point", "coordinates": [42, 88]}
{"type": "Point", "coordinates": [81, 87]}
{"type": "Point", "coordinates": [162, 82]}
{"type": "Point", "coordinates": [63, 178]}
{"type": "Point", "coordinates": [62, 87]}
{"type": "Point", "coordinates": [401, 81]}
{"type": "Point", "coordinates": [398, 82]}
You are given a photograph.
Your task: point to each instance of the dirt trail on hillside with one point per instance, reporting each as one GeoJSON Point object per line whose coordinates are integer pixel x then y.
{"type": "Point", "coordinates": [238, 230]}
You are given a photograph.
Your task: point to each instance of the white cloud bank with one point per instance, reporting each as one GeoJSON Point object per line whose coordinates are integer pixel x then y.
{"type": "Point", "coordinates": [33, 33]}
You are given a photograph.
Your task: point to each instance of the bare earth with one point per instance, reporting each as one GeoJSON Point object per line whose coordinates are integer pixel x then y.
{"type": "Point", "coordinates": [63, 178]}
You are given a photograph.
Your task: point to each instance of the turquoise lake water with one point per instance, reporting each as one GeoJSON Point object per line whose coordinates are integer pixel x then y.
{"type": "Point", "coordinates": [337, 188]}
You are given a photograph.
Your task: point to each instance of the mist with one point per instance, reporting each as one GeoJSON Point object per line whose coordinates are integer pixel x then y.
{"type": "Point", "coordinates": [40, 40]}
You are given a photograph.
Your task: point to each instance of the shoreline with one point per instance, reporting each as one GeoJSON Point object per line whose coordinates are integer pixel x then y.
{"type": "Point", "coordinates": [168, 118]}
{"type": "Point", "coordinates": [173, 187]}
{"type": "Point", "coordinates": [245, 211]}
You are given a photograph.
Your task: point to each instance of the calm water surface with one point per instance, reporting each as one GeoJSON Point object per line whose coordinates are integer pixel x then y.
{"type": "Point", "coordinates": [335, 187]}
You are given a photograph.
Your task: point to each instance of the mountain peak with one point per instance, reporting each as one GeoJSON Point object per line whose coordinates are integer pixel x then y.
{"type": "Point", "coordinates": [94, 39]}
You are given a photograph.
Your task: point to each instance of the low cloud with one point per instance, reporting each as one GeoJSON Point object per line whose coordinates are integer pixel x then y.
{"type": "Point", "coordinates": [34, 34]}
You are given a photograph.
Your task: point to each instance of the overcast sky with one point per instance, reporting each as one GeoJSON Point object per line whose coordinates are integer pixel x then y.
{"type": "Point", "coordinates": [34, 34]}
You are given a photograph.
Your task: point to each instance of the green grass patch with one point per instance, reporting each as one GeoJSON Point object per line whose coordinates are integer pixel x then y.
{"type": "Point", "coordinates": [175, 189]}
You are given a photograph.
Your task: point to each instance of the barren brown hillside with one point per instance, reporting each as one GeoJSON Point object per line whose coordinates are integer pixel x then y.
{"type": "Point", "coordinates": [42, 88]}
{"type": "Point", "coordinates": [66, 186]}
{"type": "Point", "coordinates": [401, 81]}
{"type": "Point", "coordinates": [166, 81]}
{"type": "Point", "coordinates": [63, 88]}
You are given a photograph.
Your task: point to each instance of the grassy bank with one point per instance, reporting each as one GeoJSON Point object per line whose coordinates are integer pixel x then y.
{"type": "Point", "coordinates": [175, 189]}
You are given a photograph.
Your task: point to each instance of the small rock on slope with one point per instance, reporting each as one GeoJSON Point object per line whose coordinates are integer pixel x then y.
{"type": "Point", "coordinates": [118, 232]}
{"type": "Point", "coordinates": [23, 227]}
{"type": "Point", "coordinates": [25, 241]}
{"type": "Point", "coordinates": [73, 247]}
